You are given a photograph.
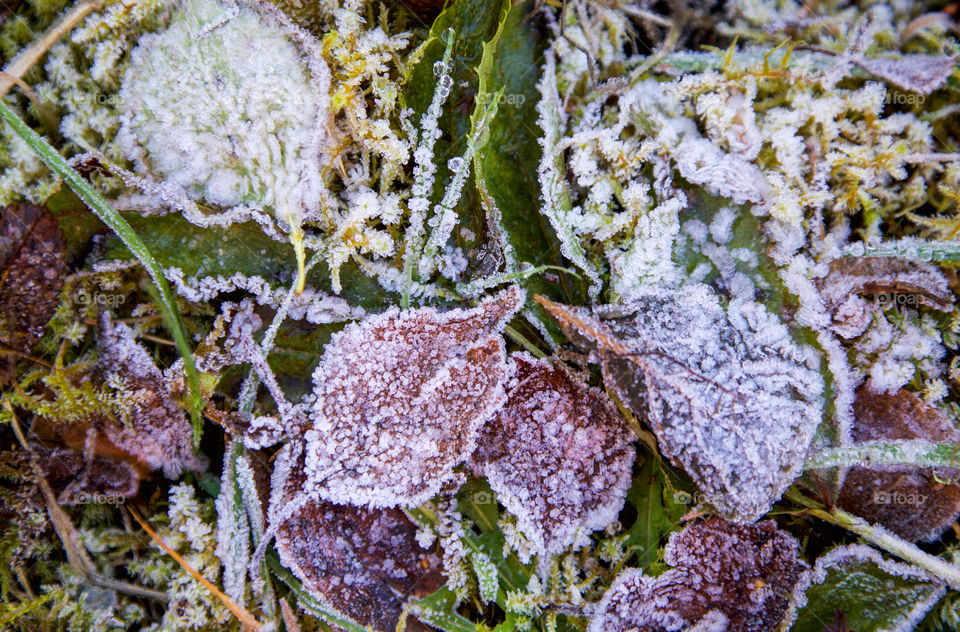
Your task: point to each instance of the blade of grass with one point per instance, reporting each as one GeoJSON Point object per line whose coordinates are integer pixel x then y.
{"type": "Point", "coordinates": [109, 216]}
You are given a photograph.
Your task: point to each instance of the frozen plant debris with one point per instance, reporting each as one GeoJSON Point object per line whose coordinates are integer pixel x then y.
{"type": "Point", "coordinates": [32, 268]}
{"type": "Point", "coordinates": [198, 113]}
{"type": "Point", "coordinates": [728, 393]}
{"type": "Point", "coordinates": [364, 563]}
{"type": "Point", "coordinates": [558, 455]}
{"type": "Point", "coordinates": [914, 503]}
{"type": "Point", "coordinates": [723, 578]}
{"type": "Point", "coordinates": [400, 398]}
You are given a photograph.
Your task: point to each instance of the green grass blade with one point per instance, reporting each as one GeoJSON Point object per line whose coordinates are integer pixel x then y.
{"type": "Point", "coordinates": [109, 216]}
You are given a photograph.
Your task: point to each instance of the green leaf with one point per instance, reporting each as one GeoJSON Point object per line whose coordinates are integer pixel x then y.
{"type": "Point", "coordinates": [874, 594]}
{"type": "Point", "coordinates": [487, 578]}
{"type": "Point", "coordinates": [881, 453]}
{"type": "Point", "coordinates": [473, 22]}
{"type": "Point", "coordinates": [506, 167]}
{"type": "Point", "coordinates": [109, 216]}
{"type": "Point", "coordinates": [440, 610]}
{"type": "Point", "coordinates": [245, 249]}
{"type": "Point", "coordinates": [659, 503]}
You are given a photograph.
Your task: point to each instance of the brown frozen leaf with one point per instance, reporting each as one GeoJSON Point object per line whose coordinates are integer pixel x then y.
{"type": "Point", "coordinates": [916, 73]}
{"type": "Point", "coordinates": [400, 399]}
{"type": "Point", "coordinates": [143, 430]}
{"type": "Point", "coordinates": [732, 399]}
{"type": "Point", "coordinates": [558, 455]}
{"type": "Point", "coordinates": [734, 578]}
{"type": "Point", "coordinates": [365, 563]}
{"type": "Point", "coordinates": [32, 268]}
{"type": "Point", "coordinates": [857, 286]}
{"type": "Point", "coordinates": [909, 501]}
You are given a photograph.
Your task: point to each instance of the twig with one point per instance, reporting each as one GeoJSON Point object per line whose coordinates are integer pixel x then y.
{"type": "Point", "coordinates": [247, 619]}
{"type": "Point", "coordinates": [30, 55]}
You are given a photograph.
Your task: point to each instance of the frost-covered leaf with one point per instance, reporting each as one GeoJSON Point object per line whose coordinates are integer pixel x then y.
{"type": "Point", "coordinates": [731, 398]}
{"type": "Point", "coordinates": [874, 594]}
{"type": "Point", "coordinates": [914, 503]}
{"type": "Point", "coordinates": [400, 398]}
{"type": "Point", "coordinates": [195, 112]}
{"type": "Point", "coordinates": [364, 563]}
{"type": "Point", "coordinates": [133, 423]}
{"type": "Point", "coordinates": [724, 578]}
{"type": "Point", "coordinates": [218, 259]}
{"type": "Point", "coordinates": [856, 287]}
{"type": "Point", "coordinates": [558, 455]}
{"type": "Point", "coordinates": [32, 268]}
{"type": "Point", "coordinates": [505, 164]}
{"type": "Point", "coordinates": [917, 73]}
{"type": "Point", "coordinates": [488, 580]}
{"type": "Point", "coordinates": [471, 23]}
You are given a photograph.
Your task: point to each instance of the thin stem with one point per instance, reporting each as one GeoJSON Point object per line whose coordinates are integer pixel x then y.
{"type": "Point", "coordinates": [247, 619]}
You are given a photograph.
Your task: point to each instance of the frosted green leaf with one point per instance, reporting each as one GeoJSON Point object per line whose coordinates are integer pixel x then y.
{"type": "Point", "coordinates": [874, 594]}
{"type": "Point", "coordinates": [487, 578]}
{"type": "Point", "coordinates": [225, 106]}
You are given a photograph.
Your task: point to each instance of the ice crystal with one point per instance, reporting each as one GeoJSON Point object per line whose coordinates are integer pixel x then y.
{"type": "Point", "coordinates": [400, 399]}
{"type": "Point", "coordinates": [724, 578]}
{"type": "Point", "coordinates": [196, 113]}
{"type": "Point", "coordinates": [158, 433]}
{"type": "Point", "coordinates": [728, 393]}
{"type": "Point", "coordinates": [558, 455]}
{"type": "Point", "coordinates": [914, 503]}
{"type": "Point", "coordinates": [363, 562]}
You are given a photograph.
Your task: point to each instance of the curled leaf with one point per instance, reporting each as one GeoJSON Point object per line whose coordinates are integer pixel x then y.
{"type": "Point", "coordinates": [558, 455]}
{"type": "Point", "coordinates": [855, 287]}
{"type": "Point", "coordinates": [729, 395]}
{"type": "Point", "coordinates": [400, 399]}
{"type": "Point", "coordinates": [914, 503]}
{"type": "Point", "coordinates": [32, 267]}
{"type": "Point", "coordinates": [725, 577]}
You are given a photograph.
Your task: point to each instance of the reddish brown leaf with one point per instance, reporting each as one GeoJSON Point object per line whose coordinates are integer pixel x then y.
{"type": "Point", "coordinates": [909, 501]}
{"type": "Point", "coordinates": [400, 401]}
{"type": "Point", "coordinates": [31, 274]}
{"type": "Point", "coordinates": [857, 286]}
{"type": "Point", "coordinates": [736, 578]}
{"type": "Point", "coordinates": [558, 454]}
{"type": "Point", "coordinates": [364, 563]}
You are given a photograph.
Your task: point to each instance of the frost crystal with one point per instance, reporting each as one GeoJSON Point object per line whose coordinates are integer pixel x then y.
{"type": "Point", "coordinates": [725, 578]}
{"type": "Point", "coordinates": [196, 112]}
{"type": "Point", "coordinates": [727, 392]}
{"type": "Point", "coordinates": [364, 563]}
{"type": "Point", "coordinates": [558, 455]}
{"type": "Point", "coordinates": [400, 398]}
